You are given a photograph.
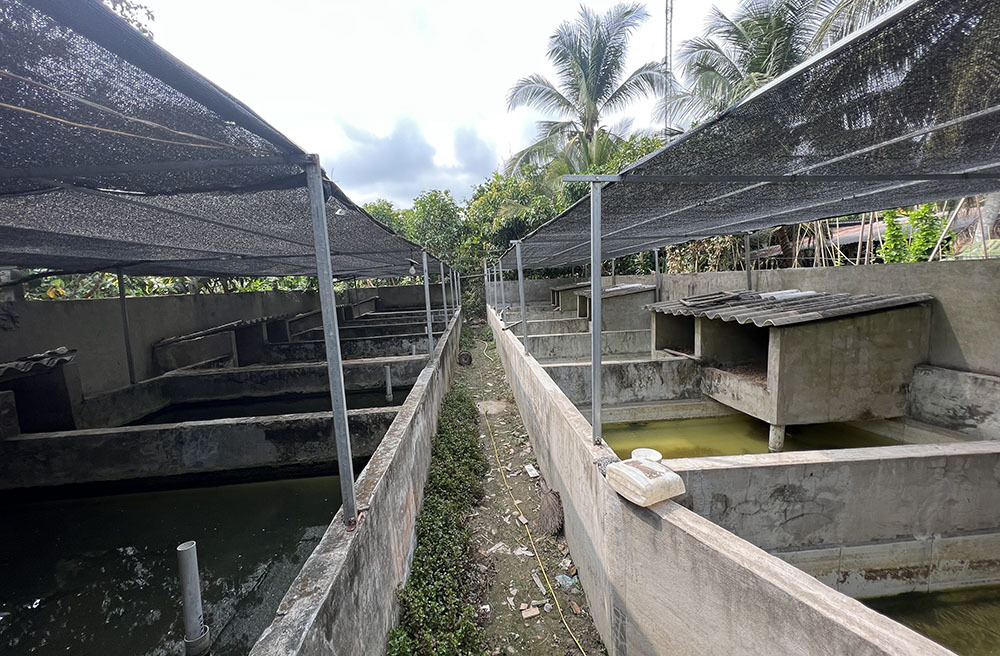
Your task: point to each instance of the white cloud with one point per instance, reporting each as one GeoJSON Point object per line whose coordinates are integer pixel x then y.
{"type": "Point", "coordinates": [352, 80]}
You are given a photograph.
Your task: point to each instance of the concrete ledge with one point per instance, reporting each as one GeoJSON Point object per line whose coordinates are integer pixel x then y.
{"type": "Point", "coordinates": [577, 345]}
{"type": "Point", "coordinates": [664, 580]}
{"type": "Point", "coordinates": [665, 410]}
{"type": "Point", "coordinates": [630, 382]}
{"type": "Point", "coordinates": [196, 447]}
{"type": "Point", "coordinates": [344, 599]}
{"type": "Point", "coordinates": [131, 403]}
{"type": "Point", "coordinates": [350, 349]}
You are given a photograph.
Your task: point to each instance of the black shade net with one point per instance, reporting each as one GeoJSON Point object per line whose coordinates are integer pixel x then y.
{"type": "Point", "coordinates": [115, 154]}
{"type": "Point", "coordinates": [916, 93]}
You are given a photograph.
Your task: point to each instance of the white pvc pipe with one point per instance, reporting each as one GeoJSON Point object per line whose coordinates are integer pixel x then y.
{"type": "Point", "coordinates": [197, 638]}
{"type": "Point", "coordinates": [388, 383]}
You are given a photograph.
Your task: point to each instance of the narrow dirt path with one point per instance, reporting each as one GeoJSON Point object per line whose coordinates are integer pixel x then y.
{"type": "Point", "coordinates": [520, 614]}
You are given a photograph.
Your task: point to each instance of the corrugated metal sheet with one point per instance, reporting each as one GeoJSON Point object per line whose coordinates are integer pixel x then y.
{"type": "Point", "coordinates": [782, 308]}
{"type": "Point", "coordinates": [36, 364]}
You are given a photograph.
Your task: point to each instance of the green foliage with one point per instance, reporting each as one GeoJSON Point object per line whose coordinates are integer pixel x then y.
{"type": "Point", "coordinates": [437, 615]}
{"type": "Point", "coordinates": [916, 243]}
{"type": "Point", "coordinates": [434, 221]}
{"type": "Point", "coordinates": [384, 212]}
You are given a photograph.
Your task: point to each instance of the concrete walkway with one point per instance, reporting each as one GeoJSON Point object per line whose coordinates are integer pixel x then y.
{"type": "Point", "coordinates": [503, 545]}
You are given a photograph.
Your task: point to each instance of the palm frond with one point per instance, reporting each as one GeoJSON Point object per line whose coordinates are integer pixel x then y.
{"type": "Point", "coordinates": [647, 80]}
{"type": "Point", "coordinates": [536, 91]}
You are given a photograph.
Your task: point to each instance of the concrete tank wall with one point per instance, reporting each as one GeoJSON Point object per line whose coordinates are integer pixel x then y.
{"type": "Point", "coordinates": [664, 580]}
{"type": "Point", "coordinates": [344, 599]}
{"type": "Point", "coordinates": [868, 522]}
{"type": "Point", "coordinates": [94, 328]}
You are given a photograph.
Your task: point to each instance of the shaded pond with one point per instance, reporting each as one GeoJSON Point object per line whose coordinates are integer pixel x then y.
{"type": "Point", "coordinates": [98, 575]}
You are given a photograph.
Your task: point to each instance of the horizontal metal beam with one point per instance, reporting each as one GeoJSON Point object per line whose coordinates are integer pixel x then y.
{"type": "Point", "coordinates": [591, 178]}
{"type": "Point", "coordinates": [889, 177]}
{"type": "Point", "coordinates": [143, 167]}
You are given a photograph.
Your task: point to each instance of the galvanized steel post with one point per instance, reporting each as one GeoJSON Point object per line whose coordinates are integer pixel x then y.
{"type": "Point", "coordinates": [486, 283]}
{"type": "Point", "coordinates": [746, 255]}
{"type": "Point", "coordinates": [125, 330]}
{"type": "Point", "coordinates": [595, 310]}
{"type": "Point", "coordinates": [444, 295]}
{"type": "Point", "coordinates": [656, 277]}
{"type": "Point", "coordinates": [427, 306]}
{"type": "Point", "coordinates": [520, 290]}
{"type": "Point", "coordinates": [331, 339]}
{"type": "Point", "coordinates": [503, 299]}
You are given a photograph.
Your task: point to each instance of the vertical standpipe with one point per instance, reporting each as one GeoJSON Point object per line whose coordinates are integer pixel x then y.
{"type": "Point", "coordinates": [331, 339]}
{"type": "Point", "coordinates": [197, 636]}
{"type": "Point", "coordinates": [427, 306]}
{"type": "Point", "coordinates": [520, 293]}
{"type": "Point", "coordinates": [388, 383]}
{"type": "Point", "coordinates": [595, 309]}
{"type": "Point", "coordinates": [444, 295]}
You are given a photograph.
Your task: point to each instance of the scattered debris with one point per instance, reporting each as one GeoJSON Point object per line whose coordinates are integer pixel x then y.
{"type": "Point", "coordinates": [522, 551]}
{"type": "Point", "coordinates": [531, 612]}
{"type": "Point", "coordinates": [565, 563]}
{"type": "Point", "coordinates": [566, 581]}
{"type": "Point", "coordinates": [522, 519]}
{"type": "Point", "coordinates": [538, 582]}
{"type": "Point", "coordinates": [499, 546]}
{"type": "Point", "coordinates": [532, 472]}
{"type": "Point", "coordinates": [575, 607]}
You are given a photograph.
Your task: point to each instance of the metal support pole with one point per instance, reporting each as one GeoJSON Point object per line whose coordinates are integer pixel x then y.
{"type": "Point", "coordinates": [503, 300]}
{"type": "Point", "coordinates": [486, 283]}
{"type": "Point", "coordinates": [520, 289]}
{"type": "Point", "coordinates": [388, 383]}
{"type": "Point", "coordinates": [197, 636]}
{"type": "Point", "coordinates": [746, 256]}
{"type": "Point", "coordinates": [331, 339]}
{"type": "Point", "coordinates": [125, 330]}
{"type": "Point", "coordinates": [444, 295]}
{"type": "Point", "coordinates": [595, 310]}
{"type": "Point", "coordinates": [656, 276]}
{"type": "Point", "coordinates": [427, 305]}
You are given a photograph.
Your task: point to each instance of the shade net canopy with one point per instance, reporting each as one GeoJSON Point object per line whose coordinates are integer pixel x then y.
{"type": "Point", "coordinates": [916, 93]}
{"type": "Point", "coordinates": [116, 154]}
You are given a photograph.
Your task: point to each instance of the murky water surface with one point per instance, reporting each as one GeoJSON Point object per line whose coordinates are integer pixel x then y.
{"type": "Point", "coordinates": [730, 435]}
{"type": "Point", "coordinates": [98, 575]}
{"type": "Point", "coordinates": [965, 621]}
{"type": "Point", "coordinates": [268, 406]}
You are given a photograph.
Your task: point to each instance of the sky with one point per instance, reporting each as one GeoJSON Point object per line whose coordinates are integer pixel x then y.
{"type": "Point", "coordinates": [397, 97]}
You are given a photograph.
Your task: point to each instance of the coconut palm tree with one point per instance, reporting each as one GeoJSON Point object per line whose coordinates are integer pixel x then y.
{"type": "Point", "coordinates": [737, 55]}
{"type": "Point", "coordinates": [835, 19]}
{"type": "Point", "coordinates": [589, 56]}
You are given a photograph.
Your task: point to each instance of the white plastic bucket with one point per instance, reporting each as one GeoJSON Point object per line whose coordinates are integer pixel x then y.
{"type": "Point", "coordinates": [646, 454]}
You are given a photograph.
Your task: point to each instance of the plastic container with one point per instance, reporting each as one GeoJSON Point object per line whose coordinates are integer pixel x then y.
{"type": "Point", "coordinates": [644, 482]}
{"type": "Point", "coordinates": [646, 454]}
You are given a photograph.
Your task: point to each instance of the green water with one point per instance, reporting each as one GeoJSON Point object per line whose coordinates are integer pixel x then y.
{"type": "Point", "coordinates": [98, 575]}
{"type": "Point", "coordinates": [730, 435]}
{"type": "Point", "coordinates": [965, 621]}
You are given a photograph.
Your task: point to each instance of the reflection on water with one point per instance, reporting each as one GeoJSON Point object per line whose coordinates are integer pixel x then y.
{"type": "Point", "coordinates": [268, 406]}
{"type": "Point", "coordinates": [966, 621]}
{"type": "Point", "coordinates": [730, 435]}
{"type": "Point", "coordinates": [99, 574]}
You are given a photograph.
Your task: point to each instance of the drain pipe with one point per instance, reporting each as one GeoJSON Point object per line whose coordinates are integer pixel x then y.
{"type": "Point", "coordinates": [197, 636]}
{"type": "Point", "coordinates": [427, 307]}
{"type": "Point", "coordinates": [388, 383]}
{"type": "Point", "coordinates": [595, 311]}
{"type": "Point", "coordinates": [486, 283]}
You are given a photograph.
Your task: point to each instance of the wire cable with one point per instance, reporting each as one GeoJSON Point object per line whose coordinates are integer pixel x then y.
{"type": "Point", "coordinates": [531, 539]}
